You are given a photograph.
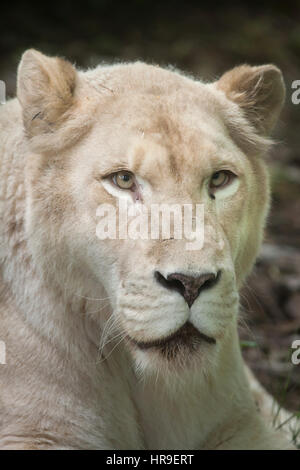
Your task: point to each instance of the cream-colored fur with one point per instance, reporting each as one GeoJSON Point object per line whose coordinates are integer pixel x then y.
{"type": "Point", "coordinates": [69, 302]}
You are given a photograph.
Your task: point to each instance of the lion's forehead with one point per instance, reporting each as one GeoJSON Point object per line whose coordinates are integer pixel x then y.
{"type": "Point", "coordinates": [155, 139]}
{"type": "Point", "coordinates": [151, 79]}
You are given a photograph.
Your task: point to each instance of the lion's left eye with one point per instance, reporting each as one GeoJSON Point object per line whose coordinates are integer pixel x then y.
{"type": "Point", "coordinates": [220, 179]}
{"type": "Point", "coordinates": [124, 180]}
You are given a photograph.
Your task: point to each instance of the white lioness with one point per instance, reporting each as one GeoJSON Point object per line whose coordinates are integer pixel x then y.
{"type": "Point", "coordinates": [121, 343]}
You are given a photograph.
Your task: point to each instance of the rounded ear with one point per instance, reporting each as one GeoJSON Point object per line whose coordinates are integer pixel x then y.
{"type": "Point", "coordinates": [45, 89]}
{"type": "Point", "coordinates": [259, 92]}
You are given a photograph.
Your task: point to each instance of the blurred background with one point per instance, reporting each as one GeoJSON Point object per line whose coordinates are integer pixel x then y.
{"type": "Point", "coordinates": [205, 39]}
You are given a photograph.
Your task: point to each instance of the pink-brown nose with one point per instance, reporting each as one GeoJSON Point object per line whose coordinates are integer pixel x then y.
{"type": "Point", "coordinates": [188, 286]}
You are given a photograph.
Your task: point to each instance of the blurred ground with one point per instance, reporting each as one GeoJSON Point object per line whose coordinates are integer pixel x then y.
{"type": "Point", "coordinates": [205, 40]}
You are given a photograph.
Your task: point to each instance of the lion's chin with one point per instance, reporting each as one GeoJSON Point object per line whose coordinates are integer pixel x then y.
{"type": "Point", "coordinates": [185, 342]}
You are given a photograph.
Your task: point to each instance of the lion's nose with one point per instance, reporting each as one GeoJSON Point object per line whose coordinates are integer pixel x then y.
{"type": "Point", "coordinates": [188, 286]}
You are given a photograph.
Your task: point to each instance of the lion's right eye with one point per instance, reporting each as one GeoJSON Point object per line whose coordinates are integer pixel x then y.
{"type": "Point", "coordinates": [124, 180]}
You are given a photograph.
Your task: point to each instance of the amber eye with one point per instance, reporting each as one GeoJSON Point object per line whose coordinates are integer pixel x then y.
{"type": "Point", "coordinates": [220, 179]}
{"type": "Point", "coordinates": [123, 179]}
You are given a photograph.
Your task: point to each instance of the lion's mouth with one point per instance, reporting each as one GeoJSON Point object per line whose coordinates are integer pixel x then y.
{"type": "Point", "coordinates": [187, 337]}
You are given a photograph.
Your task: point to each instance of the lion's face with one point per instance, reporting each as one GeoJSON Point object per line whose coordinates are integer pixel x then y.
{"type": "Point", "coordinates": [154, 137]}
{"type": "Point", "coordinates": [167, 158]}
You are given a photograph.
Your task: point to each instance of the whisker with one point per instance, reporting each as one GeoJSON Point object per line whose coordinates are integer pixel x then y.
{"type": "Point", "coordinates": [99, 310]}
{"type": "Point", "coordinates": [116, 345]}
{"type": "Point", "coordinates": [92, 298]}
{"type": "Point", "coordinates": [109, 327]}
{"type": "Point", "coordinates": [118, 335]}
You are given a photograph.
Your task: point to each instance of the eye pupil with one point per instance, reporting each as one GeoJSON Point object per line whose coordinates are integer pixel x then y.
{"type": "Point", "coordinates": [219, 178]}
{"type": "Point", "coordinates": [123, 179]}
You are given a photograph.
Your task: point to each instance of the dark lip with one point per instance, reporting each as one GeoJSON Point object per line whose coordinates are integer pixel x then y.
{"type": "Point", "coordinates": [183, 335]}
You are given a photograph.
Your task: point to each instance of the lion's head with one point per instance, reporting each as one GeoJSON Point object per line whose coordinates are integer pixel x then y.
{"type": "Point", "coordinates": [147, 135]}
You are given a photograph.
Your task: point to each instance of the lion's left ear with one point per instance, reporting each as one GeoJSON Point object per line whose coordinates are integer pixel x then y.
{"type": "Point", "coordinates": [45, 89]}
{"type": "Point", "coordinates": [259, 92]}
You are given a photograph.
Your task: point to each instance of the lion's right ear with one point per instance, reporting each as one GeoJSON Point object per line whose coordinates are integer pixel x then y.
{"type": "Point", "coordinates": [45, 89]}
